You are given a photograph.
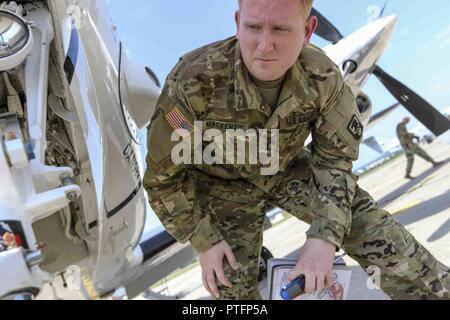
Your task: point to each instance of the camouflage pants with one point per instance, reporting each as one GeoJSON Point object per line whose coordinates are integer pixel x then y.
{"type": "Point", "coordinates": [407, 269]}
{"type": "Point", "coordinates": [410, 152]}
{"type": "Point", "coordinates": [242, 227]}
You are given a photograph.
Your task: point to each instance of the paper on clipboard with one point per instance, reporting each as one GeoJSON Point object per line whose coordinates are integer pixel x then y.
{"type": "Point", "coordinates": [277, 279]}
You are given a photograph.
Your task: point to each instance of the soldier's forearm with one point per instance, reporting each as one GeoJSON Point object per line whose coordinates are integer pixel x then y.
{"type": "Point", "coordinates": [332, 195]}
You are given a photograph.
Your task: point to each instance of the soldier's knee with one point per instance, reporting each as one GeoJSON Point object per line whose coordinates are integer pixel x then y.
{"type": "Point", "coordinates": [369, 225]}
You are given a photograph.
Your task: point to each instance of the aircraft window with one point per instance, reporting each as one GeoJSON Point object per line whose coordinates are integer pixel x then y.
{"type": "Point", "coordinates": [153, 76]}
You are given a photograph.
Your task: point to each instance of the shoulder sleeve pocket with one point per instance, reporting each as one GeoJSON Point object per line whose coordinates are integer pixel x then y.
{"type": "Point", "coordinates": [342, 124]}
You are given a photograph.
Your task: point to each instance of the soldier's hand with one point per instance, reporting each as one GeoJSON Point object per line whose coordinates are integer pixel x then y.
{"type": "Point", "coordinates": [316, 264]}
{"type": "Point", "coordinates": [211, 262]}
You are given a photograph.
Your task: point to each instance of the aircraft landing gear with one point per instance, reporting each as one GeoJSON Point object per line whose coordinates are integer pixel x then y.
{"type": "Point", "coordinates": [266, 255]}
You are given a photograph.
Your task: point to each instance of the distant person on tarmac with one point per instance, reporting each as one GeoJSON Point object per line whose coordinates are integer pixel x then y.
{"type": "Point", "coordinates": [411, 148]}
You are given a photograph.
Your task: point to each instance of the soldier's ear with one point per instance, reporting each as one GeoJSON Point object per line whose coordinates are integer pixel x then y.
{"type": "Point", "coordinates": [237, 19]}
{"type": "Point", "coordinates": [310, 26]}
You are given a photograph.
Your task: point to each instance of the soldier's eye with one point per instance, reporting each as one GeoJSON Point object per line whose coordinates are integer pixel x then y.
{"type": "Point", "coordinates": [281, 29]}
{"type": "Point", "coordinates": [253, 27]}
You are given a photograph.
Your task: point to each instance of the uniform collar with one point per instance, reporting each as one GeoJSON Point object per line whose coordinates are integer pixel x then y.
{"type": "Point", "coordinates": [297, 89]}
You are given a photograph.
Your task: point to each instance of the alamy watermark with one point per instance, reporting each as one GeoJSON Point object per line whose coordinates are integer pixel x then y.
{"type": "Point", "coordinates": [235, 147]}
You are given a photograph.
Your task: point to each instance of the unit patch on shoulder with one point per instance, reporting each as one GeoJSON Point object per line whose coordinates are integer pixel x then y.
{"type": "Point", "coordinates": [356, 128]}
{"type": "Point", "coordinates": [179, 123]}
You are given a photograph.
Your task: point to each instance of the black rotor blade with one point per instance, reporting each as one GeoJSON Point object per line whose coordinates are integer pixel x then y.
{"type": "Point", "coordinates": [326, 29]}
{"type": "Point", "coordinates": [384, 9]}
{"type": "Point", "coordinates": [381, 115]}
{"type": "Point", "coordinates": [429, 116]}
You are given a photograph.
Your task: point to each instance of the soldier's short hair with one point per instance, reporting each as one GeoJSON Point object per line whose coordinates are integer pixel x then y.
{"type": "Point", "coordinates": [308, 6]}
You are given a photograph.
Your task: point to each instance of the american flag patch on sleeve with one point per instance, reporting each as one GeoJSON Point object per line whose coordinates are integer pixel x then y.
{"type": "Point", "coordinates": [179, 123]}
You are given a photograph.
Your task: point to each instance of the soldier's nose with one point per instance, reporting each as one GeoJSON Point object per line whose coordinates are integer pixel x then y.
{"type": "Point", "coordinates": [266, 44]}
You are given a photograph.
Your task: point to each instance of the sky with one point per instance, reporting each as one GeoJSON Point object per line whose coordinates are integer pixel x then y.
{"type": "Point", "coordinates": [158, 32]}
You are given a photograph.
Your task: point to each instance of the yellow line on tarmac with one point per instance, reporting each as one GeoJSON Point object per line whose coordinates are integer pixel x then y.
{"type": "Point", "coordinates": [406, 207]}
{"type": "Point", "coordinates": [89, 285]}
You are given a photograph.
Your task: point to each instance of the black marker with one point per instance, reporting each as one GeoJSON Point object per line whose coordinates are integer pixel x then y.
{"type": "Point", "coordinates": [294, 289]}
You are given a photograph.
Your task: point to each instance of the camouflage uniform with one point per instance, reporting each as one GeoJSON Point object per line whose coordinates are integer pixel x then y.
{"type": "Point", "coordinates": [411, 148]}
{"type": "Point", "coordinates": [205, 204]}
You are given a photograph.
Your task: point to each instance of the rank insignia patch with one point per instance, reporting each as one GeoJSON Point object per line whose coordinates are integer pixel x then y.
{"type": "Point", "coordinates": [179, 123]}
{"type": "Point", "coordinates": [356, 128]}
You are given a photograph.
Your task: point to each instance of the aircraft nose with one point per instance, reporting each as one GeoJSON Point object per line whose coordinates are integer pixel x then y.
{"type": "Point", "coordinates": [388, 24]}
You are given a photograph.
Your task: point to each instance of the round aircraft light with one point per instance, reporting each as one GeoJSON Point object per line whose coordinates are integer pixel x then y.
{"type": "Point", "coordinates": [16, 40]}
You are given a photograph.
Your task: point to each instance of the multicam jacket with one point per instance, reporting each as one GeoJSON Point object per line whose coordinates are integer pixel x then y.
{"type": "Point", "coordinates": [212, 85]}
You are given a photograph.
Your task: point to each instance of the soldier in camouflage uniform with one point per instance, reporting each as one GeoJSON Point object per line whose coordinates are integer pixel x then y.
{"type": "Point", "coordinates": [407, 142]}
{"type": "Point", "coordinates": [221, 207]}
